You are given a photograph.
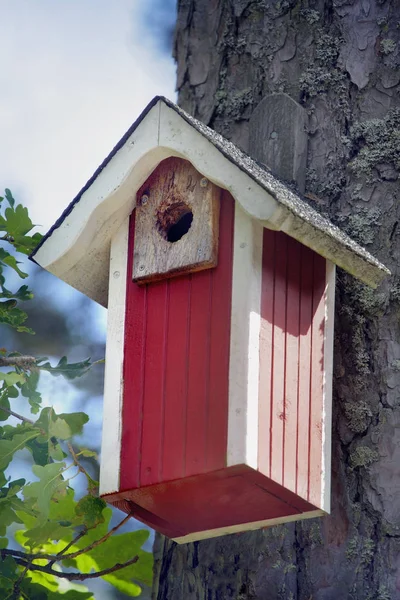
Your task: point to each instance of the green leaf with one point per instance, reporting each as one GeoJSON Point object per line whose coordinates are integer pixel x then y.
{"type": "Point", "coordinates": [91, 509]}
{"type": "Point", "coordinates": [9, 261]}
{"type": "Point", "coordinates": [29, 390]}
{"type": "Point", "coordinates": [11, 378]}
{"type": "Point", "coordinates": [14, 317]}
{"type": "Point", "coordinates": [12, 392]}
{"type": "Point", "coordinates": [5, 404]}
{"type": "Point", "coordinates": [68, 370]}
{"type": "Point", "coordinates": [26, 243]}
{"type": "Point", "coordinates": [118, 548]}
{"type": "Point", "coordinates": [23, 293]}
{"type": "Point", "coordinates": [8, 304]}
{"type": "Point", "coordinates": [62, 426]}
{"type": "Point", "coordinates": [18, 222]}
{"type": "Point", "coordinates": [9, 447]}
{"type": "Point", "coordinates": [40, 586]}
{"type": "Point", "coordinates": [42, 532]}
{"type": "Point", "coordinates": [87, 453]}
{"type": "Point", "coordinates": [50, 487]}
{"type": "Point", "coordinates": [40, 451]}
{"type": "Point", "coordinates": [9, 197]}
{"type": "Point", "coordinates": [8, 573]}
{"type": "Point", "coordinates": [75, 421]}
{"type": "Point", "coordinates": [4, 542]}
{"type": "Point", "coordinates": [59, 525]}
{"type": "Point", "coordinates": [10, 504]}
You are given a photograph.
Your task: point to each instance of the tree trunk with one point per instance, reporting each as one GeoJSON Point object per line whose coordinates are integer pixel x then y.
{"type": "Point", "coordinates": [340, 60]}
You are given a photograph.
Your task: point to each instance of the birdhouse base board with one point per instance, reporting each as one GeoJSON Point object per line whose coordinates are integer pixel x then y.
{"type": "Point", "coordinates": [211, 504]}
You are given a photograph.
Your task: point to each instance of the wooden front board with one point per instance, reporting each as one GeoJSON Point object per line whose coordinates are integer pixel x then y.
{"type": "Point", "coordinates": [176, 364]}
{"type": "Point", "coordinates": [176, 226]}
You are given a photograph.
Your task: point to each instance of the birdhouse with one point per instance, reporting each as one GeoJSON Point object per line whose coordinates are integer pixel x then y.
{"type": "Point", "coordinates": [220, 282]}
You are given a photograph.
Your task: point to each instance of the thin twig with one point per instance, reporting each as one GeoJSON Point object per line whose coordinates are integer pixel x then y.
{"type": "Point", "coordinates": [99, 541]}
{"type": "Point", "coordinates": [78, 576]}
{"type": "Point", "coordinates": [56, 557]}
{"type": "Point", "coordinates": [16, 588]}
{"type": "Point", "coordinates": [71, 543]}
{"type": "Point", "coordinates": [79, 465]}
{"type": "Point", "coordinates": [20, 417]}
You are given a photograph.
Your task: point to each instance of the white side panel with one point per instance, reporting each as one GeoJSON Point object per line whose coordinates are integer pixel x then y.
{"type": "Point", "coordinates": [211, 533]}
{"type": "Point", "coordinates": [327, 387]}
{"type": "Point", "coordinates": [113, 386]}
{"type": "Point", "coordinates": [245, 341]}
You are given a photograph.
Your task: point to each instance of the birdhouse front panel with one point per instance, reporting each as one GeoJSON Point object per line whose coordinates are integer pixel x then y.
{"type": "Point", "coordinates": [223, 422]}
{"type": "Point", "coordinates": [176, 369]}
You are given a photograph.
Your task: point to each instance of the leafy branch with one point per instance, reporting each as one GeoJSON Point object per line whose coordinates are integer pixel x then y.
{"type": "Point", "coordinates": [75, 576]}
{"type": "Point", "coordinates": [55, 532]}
{"type": "Point", "coordinates": [61, 555]}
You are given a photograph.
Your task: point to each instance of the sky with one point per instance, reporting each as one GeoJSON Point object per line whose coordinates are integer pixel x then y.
{"type": "Point", "coordinates": [74, 75]}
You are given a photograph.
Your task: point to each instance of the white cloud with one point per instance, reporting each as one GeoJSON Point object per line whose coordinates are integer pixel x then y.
{"type": "Point", "coordinates": [74, 75]}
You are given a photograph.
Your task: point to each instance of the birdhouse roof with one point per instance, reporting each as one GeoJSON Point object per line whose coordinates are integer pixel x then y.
{"type": "Point", "coordinates": [76, 248]}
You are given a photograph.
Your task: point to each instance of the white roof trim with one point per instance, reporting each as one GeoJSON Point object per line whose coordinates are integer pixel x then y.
{"type": "Point", "coordinates": [77, 247]}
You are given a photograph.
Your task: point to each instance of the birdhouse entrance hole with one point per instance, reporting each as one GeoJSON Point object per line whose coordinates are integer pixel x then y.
{"type": "Point", "coordinates": [174, 221]}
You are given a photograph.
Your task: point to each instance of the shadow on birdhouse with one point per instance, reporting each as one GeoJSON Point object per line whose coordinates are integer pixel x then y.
{"type": "Point", "coordinates": [220, 284]}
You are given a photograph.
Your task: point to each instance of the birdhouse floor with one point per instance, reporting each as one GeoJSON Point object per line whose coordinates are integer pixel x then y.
{"type": "Point", "coordinates": [226, 501]}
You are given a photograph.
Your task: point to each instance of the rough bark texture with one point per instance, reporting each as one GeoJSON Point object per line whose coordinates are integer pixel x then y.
{"type": "Point", "coordinates": [340, 60]}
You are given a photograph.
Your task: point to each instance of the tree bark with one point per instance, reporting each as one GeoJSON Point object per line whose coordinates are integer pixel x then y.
{"type": "Point", "coordinates": [340, 60]}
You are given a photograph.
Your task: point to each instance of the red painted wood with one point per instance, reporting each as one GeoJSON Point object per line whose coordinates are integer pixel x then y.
{"type": "Point", "coordinates": [317, 380]}
{"type": "Point", "coordinates": [199, 380]}
{"type": "Point", "coordinates": [230, 496]}
{"type": "Point", "coordinates": [220, 325]}
{"type": "Point", "coordinates": [154, 388]}
{"type": "Point", "coordinates": [291, 365]}
{"type": "Point", "coordinates": [279, 359]}
{"type": "Point", "coordinates": [266, 344]}
{"type": "Point", "coordinates": [176, 370]}
{"type": "Point", "coordinates": [304, 389]}
{"type": "Point", "coordinates": [133, 373]}
{"type": "Point", "coordinates": [176, 379]}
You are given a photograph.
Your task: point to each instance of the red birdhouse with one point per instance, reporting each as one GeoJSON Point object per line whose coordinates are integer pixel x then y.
{"type": "Point", "coordinates": [220, 284]}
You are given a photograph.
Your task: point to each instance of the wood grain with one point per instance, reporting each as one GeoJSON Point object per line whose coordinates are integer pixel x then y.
{"type": "Point", "coordinates": [176, 229]}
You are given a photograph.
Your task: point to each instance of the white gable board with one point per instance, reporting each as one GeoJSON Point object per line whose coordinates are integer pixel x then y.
{"type": "Point", "coordinates": [77, 248]}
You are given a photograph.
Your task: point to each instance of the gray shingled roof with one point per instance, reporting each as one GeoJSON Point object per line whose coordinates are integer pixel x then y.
{"type": "Point", "coordinates": [279, 190]}
{"type": "Point", "coordinates": [308, 220]}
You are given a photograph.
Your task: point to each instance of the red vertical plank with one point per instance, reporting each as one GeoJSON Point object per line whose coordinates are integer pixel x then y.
{"type": "Point", "coordinates": [176, 370]}
{"type": "Point", "coordinates": [198, 383]}
{"type": "Point", "coordinates": [154, 366]}
{"type": "Point", "coordinates": [133, 373]}
{"type": "Point", "coordinates": [176, 378]}
{"type": "Point", "coordinates": [292, 364]}
{"type": "Point", "coordinates": [304, 390]}
{"type": "Point", "coordinates": [217, 434]}
{"type": "Point", "coordinates": [279, 358]}
{"type": "Point", "coordinates": [317, 380]}
{"type": "Point", "coordinates": [266, 348]}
